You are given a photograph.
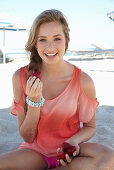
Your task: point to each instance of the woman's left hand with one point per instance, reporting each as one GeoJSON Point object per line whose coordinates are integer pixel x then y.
{"type": "Point", "coordinates": [70, 158]}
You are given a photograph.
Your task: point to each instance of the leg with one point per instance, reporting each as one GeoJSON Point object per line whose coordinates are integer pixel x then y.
{"type": "Point", "coordinates": [23, 159]}
{"type": "Point", "coordinates": [92, 156]}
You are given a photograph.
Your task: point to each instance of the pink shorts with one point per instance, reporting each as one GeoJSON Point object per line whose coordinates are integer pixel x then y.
{"type": "Point", "coordinates": [51, 161]}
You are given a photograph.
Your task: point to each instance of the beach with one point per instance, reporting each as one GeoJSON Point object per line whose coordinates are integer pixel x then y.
{"type": "Point", "coordinates": [102, 73]}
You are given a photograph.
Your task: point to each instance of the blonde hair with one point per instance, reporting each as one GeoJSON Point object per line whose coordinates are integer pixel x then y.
{"type": "Point", "coordinates": [51, 15]}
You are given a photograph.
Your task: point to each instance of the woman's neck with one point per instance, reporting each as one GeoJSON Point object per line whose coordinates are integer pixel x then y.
{"type": "Point", "coordinates": [55, 70]}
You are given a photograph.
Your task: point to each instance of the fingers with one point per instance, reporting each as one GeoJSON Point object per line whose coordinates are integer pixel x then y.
{"type": "Point", "coordinates": [75, 153]}
{"type": "Point", "coordinates": [69, 157]}
{"type": "Point", "coordinates": [68, 160]}
{"type": "Point", "coordinates": [36, 85]}
{"type": "Point", "coordinates": [33, 87]}
{"type": "Point", "coordinates": [77, 150]}
{"type": "Point", "coordinates": [30, 82]}
{"type": "Point", "coordinates": [63, 163]}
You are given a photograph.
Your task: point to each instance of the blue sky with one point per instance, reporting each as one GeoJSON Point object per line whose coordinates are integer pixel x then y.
{"type": "Point", "coordinates": [87, 19]}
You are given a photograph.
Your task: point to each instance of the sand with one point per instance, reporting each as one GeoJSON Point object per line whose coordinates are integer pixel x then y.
{"type": "Point", "coordinates": [101, 71]}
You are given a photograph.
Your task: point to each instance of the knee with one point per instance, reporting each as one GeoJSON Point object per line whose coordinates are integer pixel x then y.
{"type": "Point", "coordinates": [3, 164]}
{"type": "Point", "coordinates": [97, 150]}
{"type": "Point", "coordinates": [102, 155]}
{"type": "Point", "coordinates": [105, 158]}
{"type": "Point", "coordinates": [105, 152]}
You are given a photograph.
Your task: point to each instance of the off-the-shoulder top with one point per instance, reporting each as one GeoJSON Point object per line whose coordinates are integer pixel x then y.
{"type": "Point", "coordinates": [60, 117]}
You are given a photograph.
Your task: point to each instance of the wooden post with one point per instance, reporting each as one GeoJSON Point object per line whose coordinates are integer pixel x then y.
{"type": "Point", "coordinates": [4, 58]}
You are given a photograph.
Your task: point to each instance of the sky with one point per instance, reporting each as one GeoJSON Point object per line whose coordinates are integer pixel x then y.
{"type": "Point", "coordinates": [87, 19]}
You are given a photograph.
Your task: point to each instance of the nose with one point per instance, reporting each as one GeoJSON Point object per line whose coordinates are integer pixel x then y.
{"type": "Point", "coordinates": [50, 45]}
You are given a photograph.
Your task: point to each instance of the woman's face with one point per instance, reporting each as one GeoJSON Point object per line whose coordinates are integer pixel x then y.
{"type": "Point", "coordinates": [51, 42]}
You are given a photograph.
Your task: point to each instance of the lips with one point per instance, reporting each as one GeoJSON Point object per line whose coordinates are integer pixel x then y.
{"type": "Point", "coordinates": [50, 55]}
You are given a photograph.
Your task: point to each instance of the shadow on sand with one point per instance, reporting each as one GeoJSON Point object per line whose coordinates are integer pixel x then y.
{"type": "Point", "coordinates": [9, 135]}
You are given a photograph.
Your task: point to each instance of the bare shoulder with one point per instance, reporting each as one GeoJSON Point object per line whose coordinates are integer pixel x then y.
{"type": "Point", "coordinates": [15, 78]}
{"type": "Point", "coordinates": [88, 85]}
{"type": "Point", "coordinates": [16, 86]}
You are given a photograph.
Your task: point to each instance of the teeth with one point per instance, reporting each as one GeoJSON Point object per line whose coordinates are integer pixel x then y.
{"type": "Point", "coordinates": [51, 54]}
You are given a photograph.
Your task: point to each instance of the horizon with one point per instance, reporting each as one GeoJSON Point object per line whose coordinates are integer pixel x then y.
{"type": "Point", "coordinates": [88, 20]}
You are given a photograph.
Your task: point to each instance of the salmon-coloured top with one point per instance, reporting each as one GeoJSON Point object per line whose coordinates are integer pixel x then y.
{"type": "Point", "coordinates": [60, 117]}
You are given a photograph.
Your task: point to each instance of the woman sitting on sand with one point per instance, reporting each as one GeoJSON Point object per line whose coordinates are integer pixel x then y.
{"type": "Point", "coordinates": [51, 98]}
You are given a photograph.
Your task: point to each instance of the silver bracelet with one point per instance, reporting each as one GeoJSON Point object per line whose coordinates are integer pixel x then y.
{"type": "Point", "coordinates": [35, 104]}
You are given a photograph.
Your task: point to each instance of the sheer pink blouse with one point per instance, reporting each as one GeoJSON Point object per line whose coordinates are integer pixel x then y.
{"type": "Point", "coordinates": [60, 117]}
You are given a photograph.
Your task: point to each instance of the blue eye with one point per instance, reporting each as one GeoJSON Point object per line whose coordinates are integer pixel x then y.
{"type": "Point", "coordinates": [42, 40]}
{"type": "Point", "coordinates": [57, 39]}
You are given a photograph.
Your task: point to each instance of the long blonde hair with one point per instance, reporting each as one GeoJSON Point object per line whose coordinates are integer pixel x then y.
{"type": "Point", "coordinates": [51, 15]}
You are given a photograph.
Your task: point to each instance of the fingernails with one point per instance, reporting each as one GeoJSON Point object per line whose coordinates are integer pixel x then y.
{"type": "Point", "coordinates": [74, 154]}
{"type": "Point", "coordinates": [66, 155]}
{"type": "Point", "coordinates": [29, 78]}
{"type": "Point", "coordinates": [61, 161]}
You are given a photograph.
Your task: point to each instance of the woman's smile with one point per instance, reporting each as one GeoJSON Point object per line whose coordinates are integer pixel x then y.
{"type": "Point", "coordinates": [51, 42]}
{"type": "Point", "coordinates": [50, 56]}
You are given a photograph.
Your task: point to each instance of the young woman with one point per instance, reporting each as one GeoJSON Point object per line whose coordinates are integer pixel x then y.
{"type": "Point", "coordinates": [50, 107]}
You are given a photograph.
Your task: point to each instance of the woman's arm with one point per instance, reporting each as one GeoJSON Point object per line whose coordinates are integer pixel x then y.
{"type": "Point", "coordinates": [27, 123]}
{"type": "Point", "coordinates": [88, 130]}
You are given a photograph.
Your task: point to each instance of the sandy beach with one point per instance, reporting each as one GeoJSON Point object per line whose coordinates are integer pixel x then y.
{"type": "Point", "coordinates": [101, 71]}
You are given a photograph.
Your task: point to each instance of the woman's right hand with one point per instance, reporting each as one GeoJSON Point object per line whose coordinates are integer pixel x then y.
{"type": "Point", "coordinates": [34, 89]}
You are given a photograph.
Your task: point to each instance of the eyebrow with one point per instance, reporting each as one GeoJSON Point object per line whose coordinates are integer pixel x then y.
{"type": "Point", "coordinates": [45, 36]}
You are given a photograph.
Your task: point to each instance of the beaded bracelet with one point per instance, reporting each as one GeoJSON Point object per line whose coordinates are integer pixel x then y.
{"type": "Point", "coordinates": [35, 104]}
